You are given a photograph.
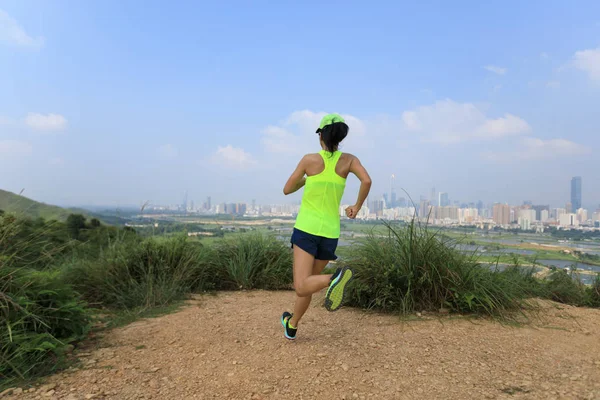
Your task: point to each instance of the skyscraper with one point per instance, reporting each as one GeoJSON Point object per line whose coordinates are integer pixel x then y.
{"type": "Point", "coordinates": [502, 214]}
{"type": "Point", "coordinates": [443, 200]}
{"type": "Point", "coordinates": [575, 194]}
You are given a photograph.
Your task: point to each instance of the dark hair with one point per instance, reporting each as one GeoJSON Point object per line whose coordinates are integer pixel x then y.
{"type": "Point", "coordinates": [333, 134]}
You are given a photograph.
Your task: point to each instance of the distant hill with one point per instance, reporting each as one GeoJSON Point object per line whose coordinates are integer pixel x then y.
{"type": "Point", "coordinates": [20, 205]}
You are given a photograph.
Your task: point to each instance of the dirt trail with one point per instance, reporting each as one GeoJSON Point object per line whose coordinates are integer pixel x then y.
{"type": "Point", "coordinates": [231, 346]}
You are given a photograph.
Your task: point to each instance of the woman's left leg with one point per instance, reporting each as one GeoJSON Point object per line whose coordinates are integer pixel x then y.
{"type": "Point", "coordinates": [302, 303]}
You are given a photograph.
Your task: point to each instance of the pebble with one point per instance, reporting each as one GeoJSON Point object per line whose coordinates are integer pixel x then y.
{"type": "Point", "coordinates": [345, 367]}
{"type": "Point", "coordinates": [7, 392]}
{"type": "Point", "coordinates": [50, 393]}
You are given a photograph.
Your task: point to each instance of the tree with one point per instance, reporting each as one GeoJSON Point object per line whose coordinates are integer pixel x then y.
{"type": "Point", "coordinates": [95, 223]}
{"type": "Point", "coordinates": [75, 222]}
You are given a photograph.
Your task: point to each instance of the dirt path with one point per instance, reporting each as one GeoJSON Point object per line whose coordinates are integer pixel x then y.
{"type": "Point", "coordinates": [231, 346]}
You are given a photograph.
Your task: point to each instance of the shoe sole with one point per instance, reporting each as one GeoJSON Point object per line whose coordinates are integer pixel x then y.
{"type": "Point", "coordinates": [337, 290]}
{"type": "Point", "coordinates": [285, 330]}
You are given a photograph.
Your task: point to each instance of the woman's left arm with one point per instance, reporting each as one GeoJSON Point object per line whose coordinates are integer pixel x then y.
{"type": "Point", "coordinates": [296, 180]}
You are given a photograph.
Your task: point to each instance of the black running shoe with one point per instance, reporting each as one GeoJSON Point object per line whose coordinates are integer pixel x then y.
{"type": "Point", "coordinates": [289, 332]}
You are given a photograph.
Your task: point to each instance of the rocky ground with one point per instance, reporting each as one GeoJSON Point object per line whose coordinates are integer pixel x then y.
{"type": "Point", "coordinates": [231, 346]}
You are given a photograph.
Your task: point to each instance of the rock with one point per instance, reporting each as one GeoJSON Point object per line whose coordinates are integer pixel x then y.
{"type": "Point", "coordinates": [90, 396]}
{"type": "Point", "coordinates": [154, 384]}
{"type": "Point", "coordinates": [48, 387]}
{"type": "Point", "coordinates": [50, 393]}
{"type": "Point", "coordinates": [345, 367]}
{"type": "Point", "coordinates": [321, 355]}
{"type": "Point", "coordinates": [421, 371]}
{"type": "Point", "coordinates": [419, 314]}
{"type": "Point", "coordinates": [444, 311]}
{"type": "Point", "coordinates": [7, 392]}
{"type": "Point", "coordinates": [154, 369]}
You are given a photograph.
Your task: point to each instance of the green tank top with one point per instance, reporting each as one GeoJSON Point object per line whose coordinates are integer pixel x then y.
{"type": "Point", "coordinates": [320, 208]}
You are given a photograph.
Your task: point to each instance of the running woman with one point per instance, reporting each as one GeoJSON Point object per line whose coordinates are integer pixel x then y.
{"type": "Point", "coordinates": [317, 228]}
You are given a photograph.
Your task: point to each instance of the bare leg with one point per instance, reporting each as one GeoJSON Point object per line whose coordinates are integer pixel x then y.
{"type": "Point", "coordinates": [302, 303]}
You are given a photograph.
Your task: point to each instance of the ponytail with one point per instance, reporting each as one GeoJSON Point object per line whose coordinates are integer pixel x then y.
{"type": "Point", "coordinates": [333, 134]}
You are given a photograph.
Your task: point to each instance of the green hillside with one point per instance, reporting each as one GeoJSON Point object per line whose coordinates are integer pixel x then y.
{"type": "Point", "coordinates": [22, 206]}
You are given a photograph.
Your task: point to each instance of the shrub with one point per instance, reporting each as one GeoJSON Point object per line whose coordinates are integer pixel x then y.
{"type": "Point", "coordinates": [41, 314]}
{"type": "Point", "coordinates": [414, 269]}
{"type": "Point", "coordinates": [252, 261]}
{"type": "Point", "coordinates": [593, 293]}
{"type": "Point", "coordinates": [135, 273]}
{"type": "Point", "coordinates": [561, 287]}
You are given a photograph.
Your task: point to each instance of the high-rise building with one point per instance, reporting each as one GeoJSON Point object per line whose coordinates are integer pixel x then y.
{"type": "Point", "coordinates": [501, 214]}
{"type": "Point", "coordinates": [394, 204]}
{"type": "Point", "coordinates": [568, 220]}
{"type": "Point", "coordinates": [377, 206]}
{"type": "Point", "coordinates": [575, 194]}
{"type": "Point", "coordinates": [528, 214]}
{"type": "Point", "coordinates": [443, 200]}
{"type": "Point", "coordinates": [432, 198]}
{"type": "Point", "coordinates": [424, 208]}
{"type": "Point", "coordinates": [582, 215]}
{"type": "Point", "coordinates": [544, 215]}
{"type": "Point", "coordinates": [538, 211]}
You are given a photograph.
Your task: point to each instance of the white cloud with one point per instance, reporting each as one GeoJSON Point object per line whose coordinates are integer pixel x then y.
{"type": "Point", "coordinates": [495, 69]}
{"type": "Point", "coordinates": [279, 140]}
{"type": "Point", "coordinates": [544, 55]}
{"type": "Point", "coordinates": [47, 122]}
{"type": "Point", "coordinates": [14, 148]}
{"type": "Point", "coordinates": [589, 62]}
{"type": "Point", "coordinates": [167, 152]}
{"type": "Point", "coordinates": [13, 33]}
{"type": "Point", "coordinates": [449, 122]}
{"type": "Point", "coordinates": [296, 135]}
{"type": "Point", "coordinates": [539, 148]}
{"type": "Point", "coordinates": [530, 148]}
{"type": "Point", "coordinates": [553, 84]}
{"type": "Point", "coordinates": [233, 158]}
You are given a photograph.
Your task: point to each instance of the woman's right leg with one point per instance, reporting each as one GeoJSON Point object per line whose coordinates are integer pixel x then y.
{"type": "Point", "coordinates": [302, 303]}
{"type": "Point", "coordinates": [305, 282]}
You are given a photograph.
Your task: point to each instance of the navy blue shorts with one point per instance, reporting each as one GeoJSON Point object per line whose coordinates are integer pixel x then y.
{"type": "Point", "coordinates": [321, 248]}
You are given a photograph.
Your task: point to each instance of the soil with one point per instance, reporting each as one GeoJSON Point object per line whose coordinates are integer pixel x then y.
{"type": "Point", "coordinates": [231, 346]}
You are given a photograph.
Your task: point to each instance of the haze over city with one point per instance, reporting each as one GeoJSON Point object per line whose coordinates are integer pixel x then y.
{"type": "Point", "coordinates": [113, 104]}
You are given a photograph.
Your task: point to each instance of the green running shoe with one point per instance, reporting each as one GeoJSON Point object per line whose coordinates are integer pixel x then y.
{"type": "Point", "coordinates": [337, 288]}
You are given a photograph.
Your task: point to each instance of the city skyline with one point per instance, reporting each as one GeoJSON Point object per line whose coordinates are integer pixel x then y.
{"type": "Point", "coordinates": [204, 97]}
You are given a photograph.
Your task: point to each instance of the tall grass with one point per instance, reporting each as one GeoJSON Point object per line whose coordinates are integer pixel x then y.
{"type": "Point", "coordinates": [414, 269]}
{"type": "Point", "coordinates": [40, 314]}
{"type": "Point", "coordinates": [140, 274]}
{"type": "Point", "coordinates": [252, 261]}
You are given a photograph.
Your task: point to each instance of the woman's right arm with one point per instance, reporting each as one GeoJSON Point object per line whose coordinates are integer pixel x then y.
{"type": "Point", "coordinates": [365, 186]}
{"type": "Point", "coordinates": [296, 180]}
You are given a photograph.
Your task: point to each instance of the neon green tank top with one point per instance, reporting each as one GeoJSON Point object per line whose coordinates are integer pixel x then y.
{"type": "Point", "coordinates": [320, 208]}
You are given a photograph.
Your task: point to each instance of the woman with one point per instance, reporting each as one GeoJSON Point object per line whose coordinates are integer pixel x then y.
{"type": "Point", "coordinates": [317, 228]}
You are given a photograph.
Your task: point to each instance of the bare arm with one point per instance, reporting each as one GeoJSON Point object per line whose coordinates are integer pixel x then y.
{"type": "Point", "coordinates": [365, 186]}
{"type": "Point", "coordinates": [296, 180]}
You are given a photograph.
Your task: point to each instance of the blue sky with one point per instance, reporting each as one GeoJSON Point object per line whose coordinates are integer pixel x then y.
{"type": "Point", "coordinates": [119, 102]}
